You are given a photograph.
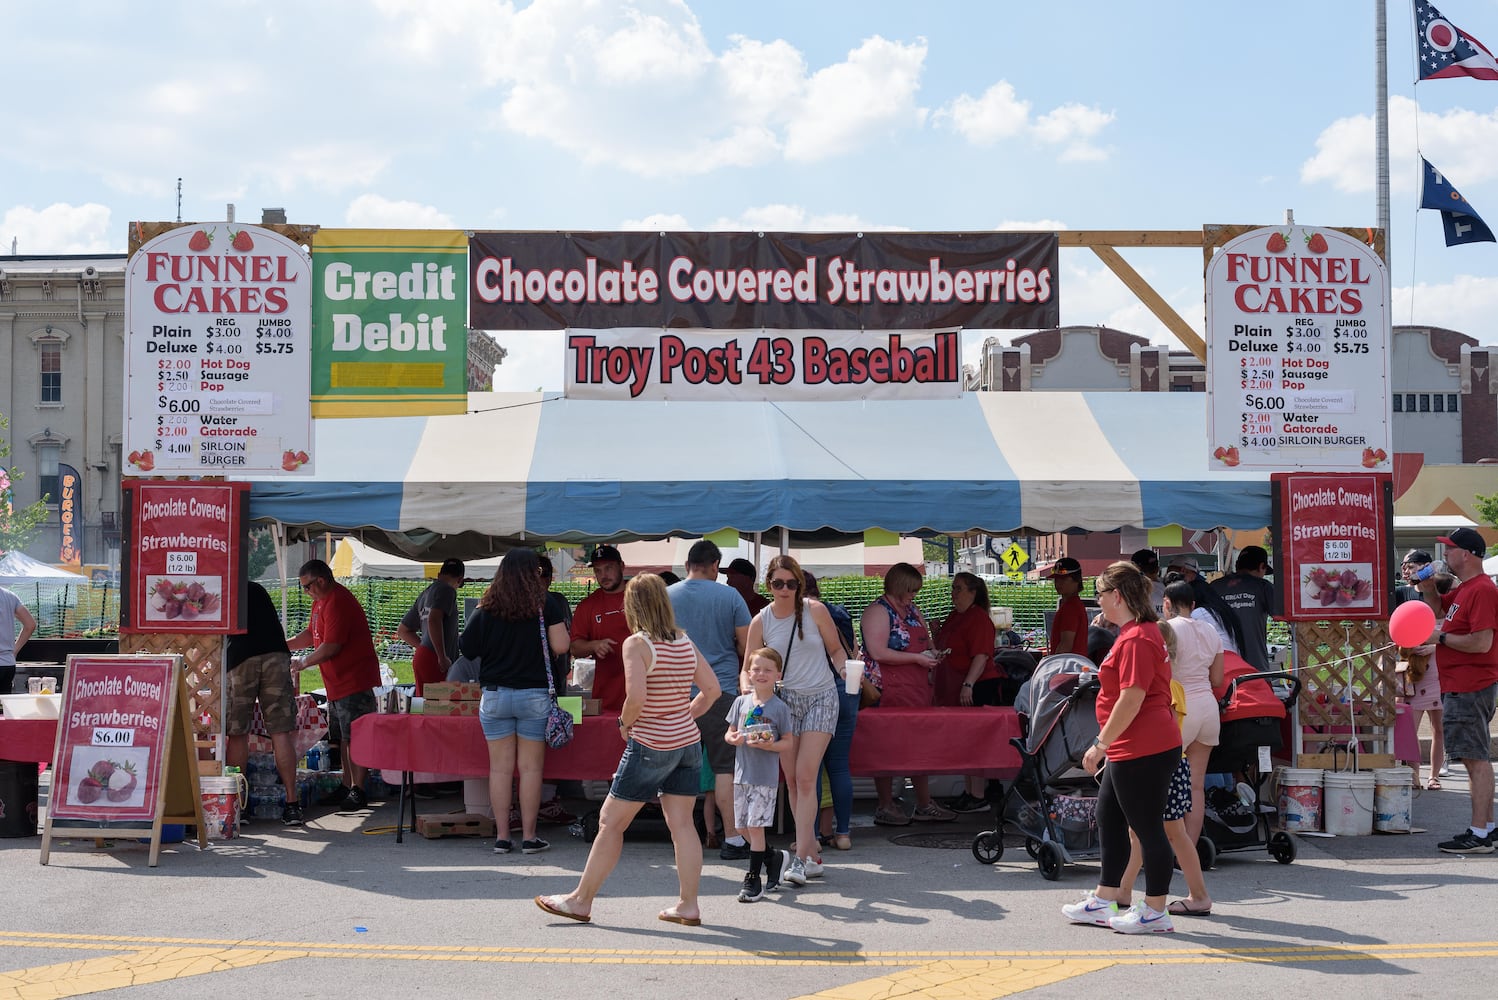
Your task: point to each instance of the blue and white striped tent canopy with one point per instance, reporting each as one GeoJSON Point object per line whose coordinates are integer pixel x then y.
{"type": "Point", "coordinates": [532, 467]}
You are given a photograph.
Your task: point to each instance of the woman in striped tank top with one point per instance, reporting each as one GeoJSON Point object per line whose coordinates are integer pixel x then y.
{"type": "Point", "coordinates": [662, 752]}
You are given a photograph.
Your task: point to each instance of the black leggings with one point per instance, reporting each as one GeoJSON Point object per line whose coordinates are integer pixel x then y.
{"type": "Point", "coordinates": [1133, 796]}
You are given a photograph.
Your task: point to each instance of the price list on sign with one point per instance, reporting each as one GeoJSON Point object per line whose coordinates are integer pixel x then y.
{"type": "Point", "coordinates": [218, 368]}
{"type": "Point", "coordinates": [1298, 352]}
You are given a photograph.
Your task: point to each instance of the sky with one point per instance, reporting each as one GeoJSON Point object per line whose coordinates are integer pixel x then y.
{"type": "Point", "coordinates": [827, 116]}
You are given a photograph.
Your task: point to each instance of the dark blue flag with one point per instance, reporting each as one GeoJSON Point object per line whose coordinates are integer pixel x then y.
{"type": "Point", "coordinates": [1460, 221]}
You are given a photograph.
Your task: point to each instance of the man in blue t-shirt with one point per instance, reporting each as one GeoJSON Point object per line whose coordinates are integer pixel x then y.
{"type": "Point", "coordinates": [717, 620]}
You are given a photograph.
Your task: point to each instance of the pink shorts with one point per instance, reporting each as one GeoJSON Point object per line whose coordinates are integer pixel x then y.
{"type": "Point", "coordinates": [1427, 694]}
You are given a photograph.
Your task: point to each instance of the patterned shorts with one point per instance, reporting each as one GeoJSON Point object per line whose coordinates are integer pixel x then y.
{"type": "Point", "coordinates": [1178, 799]}
{"type": "Point", "coordinates": [265, 678]}
{"type": "Point", "coordinates": [1466, 720]}
{"type": "Point", "coordinates": [814, 712]}
{"type": "Point", "coordinates": [753, 806]}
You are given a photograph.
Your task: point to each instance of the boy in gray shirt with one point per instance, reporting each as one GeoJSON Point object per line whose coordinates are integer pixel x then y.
{"type": "Point", "coordinates": [759, 727]}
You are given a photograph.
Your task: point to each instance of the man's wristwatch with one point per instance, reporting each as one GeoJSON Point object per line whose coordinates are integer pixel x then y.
{"type": "Point", "coordinates": [967, 685]}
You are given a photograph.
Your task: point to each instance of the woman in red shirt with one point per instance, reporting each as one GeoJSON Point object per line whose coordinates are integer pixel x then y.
{"type": "Point", "coordinates": [966, 676]}
{"type": "Point", "coordinates": [1140, 744]}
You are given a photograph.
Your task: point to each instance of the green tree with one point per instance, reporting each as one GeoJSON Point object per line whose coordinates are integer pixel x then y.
{"type": "Point", "coordinates": [262, 551]}
{"type": "Point", "coordinates": [16, 526]}
{"type": "Point", "coordinates": [1487, 506]}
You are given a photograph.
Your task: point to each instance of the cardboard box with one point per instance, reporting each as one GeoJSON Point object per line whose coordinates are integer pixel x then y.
{"type": "Point", "coordinates": [451, 708]}
{"type": "Point", "coordinates": [454, 825]}
{"type": "Point", "coordinates": [592, 706]}
{"type": "Point", "coordinates": [451, 691]}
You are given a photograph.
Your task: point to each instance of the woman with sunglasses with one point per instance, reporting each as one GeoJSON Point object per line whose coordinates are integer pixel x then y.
{"type": "Point", "coordinates": [900, 660]}
{"type": "Point", "coordinates": [810, 688]}
{"type": "Point", "coordinates": [1140, 744]}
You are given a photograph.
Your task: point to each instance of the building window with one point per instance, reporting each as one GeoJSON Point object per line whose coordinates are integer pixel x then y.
{"type": "Point", "coordinates": [1425, 402]}
{"type": "Point", "coordinates": [47, 457]}
{"type": "Point", "coordinates": [1409, 402]}
{"type": "Point", "coordinates": [52, 373]}
{"type": "Point", "coordinates": [1451, 402]}
{"type": "Point", "coordinates": [1398, 403]}
{"type": "Point", "coordinates": [1438, 403]}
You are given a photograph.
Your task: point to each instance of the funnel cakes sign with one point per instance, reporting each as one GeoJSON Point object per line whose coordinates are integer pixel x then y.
{"type": "Point", "coordinates": [1298, 353]}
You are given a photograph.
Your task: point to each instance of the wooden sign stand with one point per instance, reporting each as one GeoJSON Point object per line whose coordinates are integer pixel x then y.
{"type": "Point", "coordinates": [178, 794]}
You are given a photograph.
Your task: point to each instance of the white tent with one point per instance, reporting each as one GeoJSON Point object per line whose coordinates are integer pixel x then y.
{"type": "Point", "coordinates": [354, 558]}
{"type": "Point", "coordinates": [18, 567]}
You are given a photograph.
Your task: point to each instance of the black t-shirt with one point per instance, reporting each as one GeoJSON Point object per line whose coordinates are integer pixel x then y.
{"type": "Point", "coordinates": [510, 653]}
{"type": "Point", "coordinates": [265, 633]}
{"type": "Point", "coordinates": [1252, 598]}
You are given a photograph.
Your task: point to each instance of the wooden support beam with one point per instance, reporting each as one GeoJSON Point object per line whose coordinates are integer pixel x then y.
{"type": "Point", "coordinates": [1129, 237]}
{"type": "Point", "coordinates": [1157, 305]}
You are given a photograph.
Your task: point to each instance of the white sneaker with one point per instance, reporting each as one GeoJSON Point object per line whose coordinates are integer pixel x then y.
{"type": "Point", "coordinates": [812, 867]}
{"type": "Point", "coordinates": [1090, 910]}
{"type": "Point", "coordinates": [794, 873]}
{"type": "Point", "coordinates": [1142, 919]}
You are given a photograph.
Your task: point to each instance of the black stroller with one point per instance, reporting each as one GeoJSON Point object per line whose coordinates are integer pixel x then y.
{"type": "Point", "coordinates": [1053, 799]}
{"type": "Point", "coordinates": [1252, 705]}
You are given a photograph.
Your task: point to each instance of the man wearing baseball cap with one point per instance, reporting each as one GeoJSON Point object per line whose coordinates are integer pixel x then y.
{"type": "Point", "coordinates": [1069, 627]}
{"type": "Point", "coordinates": [1252, 599]}
{"type": "Point", "coordinates": [1468, 661]}
{"type": "Point", "coordinates": [599, 628]}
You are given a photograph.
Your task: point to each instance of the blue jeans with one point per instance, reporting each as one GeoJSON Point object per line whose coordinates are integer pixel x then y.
{"type": "Point", "coordinates": [835, 760]}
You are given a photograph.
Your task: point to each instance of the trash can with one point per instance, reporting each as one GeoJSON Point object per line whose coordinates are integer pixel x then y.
{"type": "Point", "coordinates": [17, 799]}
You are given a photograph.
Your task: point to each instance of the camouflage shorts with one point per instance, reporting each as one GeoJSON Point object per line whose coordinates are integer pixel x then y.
{"type": "Point", "coordinates": [266, 678]}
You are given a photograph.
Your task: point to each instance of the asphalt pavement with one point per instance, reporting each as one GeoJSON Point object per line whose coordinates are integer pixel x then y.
{"type": "Point", "coordinates": [338, 909]}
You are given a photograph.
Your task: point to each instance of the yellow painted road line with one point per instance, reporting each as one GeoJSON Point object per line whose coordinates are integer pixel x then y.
{"type": "Point", "coordinates": [962, 980]}
{"type": "Point", "coordinates": [148, 965]}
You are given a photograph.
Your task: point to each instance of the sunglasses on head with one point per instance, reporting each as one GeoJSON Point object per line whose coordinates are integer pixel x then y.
{"type": "Point", "coordinates": [782, 584]}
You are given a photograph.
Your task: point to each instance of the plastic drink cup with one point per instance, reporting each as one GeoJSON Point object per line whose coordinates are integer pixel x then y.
{"type": "Point", "coordinates": [852, 675]}
{"type": "Point", "coordinates": [49, 685]}
{"type": "Point", "coordinates": [33, 685]}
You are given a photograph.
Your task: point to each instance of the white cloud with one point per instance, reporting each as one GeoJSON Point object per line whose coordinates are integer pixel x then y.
{"type": "Point", "coordinates": [1467, 304]}
{"type": "Point", "coordinates": [372, 211]}
{"type": "Point", "coordinates": [637, 86]}
{"type": "Point", "coordinates": [1000, 114]}
{"type": "Point", "coordinates": [1458, 142]}
{"type": "Point", "coordinates": [533, 360]}
{"type": "Point", "coordinates": [59, 228]}
{"type": "Point", "coordinates": [1030, 225]}
{"type": "Point", "coordinates": [660, 222]}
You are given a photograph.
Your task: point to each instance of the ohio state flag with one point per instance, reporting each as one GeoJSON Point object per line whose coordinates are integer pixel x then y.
{"type": "Point", "coordinates": [1443, 50]}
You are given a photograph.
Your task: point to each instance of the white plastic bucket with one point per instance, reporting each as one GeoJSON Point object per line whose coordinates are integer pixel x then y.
{"type": "Point", "coordinates": [1348, 801]}
{"type": "Point", "coordinates": [1299, 799]}
{"type": "Point", "coordinates": [221, 805]}
{"type": "Point", "coordinates": [1391, 799]}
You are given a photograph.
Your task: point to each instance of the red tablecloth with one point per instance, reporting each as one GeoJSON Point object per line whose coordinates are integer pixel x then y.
{"type": "Point", "coordinates": [887, 741]}
{"type": "Point", "coordinates": [28, 740]}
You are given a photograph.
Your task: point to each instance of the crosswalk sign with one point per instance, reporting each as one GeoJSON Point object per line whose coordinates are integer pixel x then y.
{"type": "Point", "coordinates": [1014, 559]}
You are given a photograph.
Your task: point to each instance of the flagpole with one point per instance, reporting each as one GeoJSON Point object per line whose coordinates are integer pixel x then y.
{"type": "Point", "coordinates": [1381, 116]}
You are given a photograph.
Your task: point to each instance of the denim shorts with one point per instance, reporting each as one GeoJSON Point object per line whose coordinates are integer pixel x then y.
{"type": "Point", "coordinates": [505, 711]}
{"type": "Point", "coordinates": [1466, 721]}
{"type": "Point", "coordinates": [645, 773]}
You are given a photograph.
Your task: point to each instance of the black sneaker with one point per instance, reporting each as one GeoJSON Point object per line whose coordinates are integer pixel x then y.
{"type": "Point", "coordinates": [356, 800]}
{"type": "Point", "coordinates": [733, 852]}
{"type": "Point", "coordinates": [336, 797]}
{"type": "Point", "coordinates": [752, 890]}
{"type": "Point", "coordinates": [1467, 842]}
{"type": "Point", "coordinates": [966, 803]}
{"type": "Point", "coordinates": [291, 815]}
{"type": "Point", "coordinates": [501, 847]}
{"type": "Point", "coordinates": [774, 862]}
{"type": "Point", "coordinates": [535, 846]}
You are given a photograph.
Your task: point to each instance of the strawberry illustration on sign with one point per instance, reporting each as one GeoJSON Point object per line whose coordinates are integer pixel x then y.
{"type": "Point", "coordinates": [145, 461]}
{"type": "Point", "coordinates": [241, 241]}
{"type": "Point", "coordinates": [201, 240]}
{"type": "Point", "coordinates": [1227, 456]}
{"type": "Point", "coordinates": [1277, 243]}
{"type": "Point", "coordinates": [1316, 243]}
{"type": "Point", "coordinates": [293, 460]}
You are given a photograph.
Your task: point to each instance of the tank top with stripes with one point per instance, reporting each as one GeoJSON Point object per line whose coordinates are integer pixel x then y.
{"type": "Point", "coordinates": [666, 723]}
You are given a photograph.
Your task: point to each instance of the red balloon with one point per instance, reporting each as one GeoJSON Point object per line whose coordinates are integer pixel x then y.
{"type": "Point", "coordinates": [1411, 623]}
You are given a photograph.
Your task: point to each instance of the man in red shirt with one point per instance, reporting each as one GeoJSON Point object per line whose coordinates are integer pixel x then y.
{"type": "Point", "coordinates": [1468, 661]}
{"type": "Point", "coordinates": [599, 628]}
{"type": "Point", "coordinates": [343, 650]}
{"type": "Point", "coordinates": [1069, 627]}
